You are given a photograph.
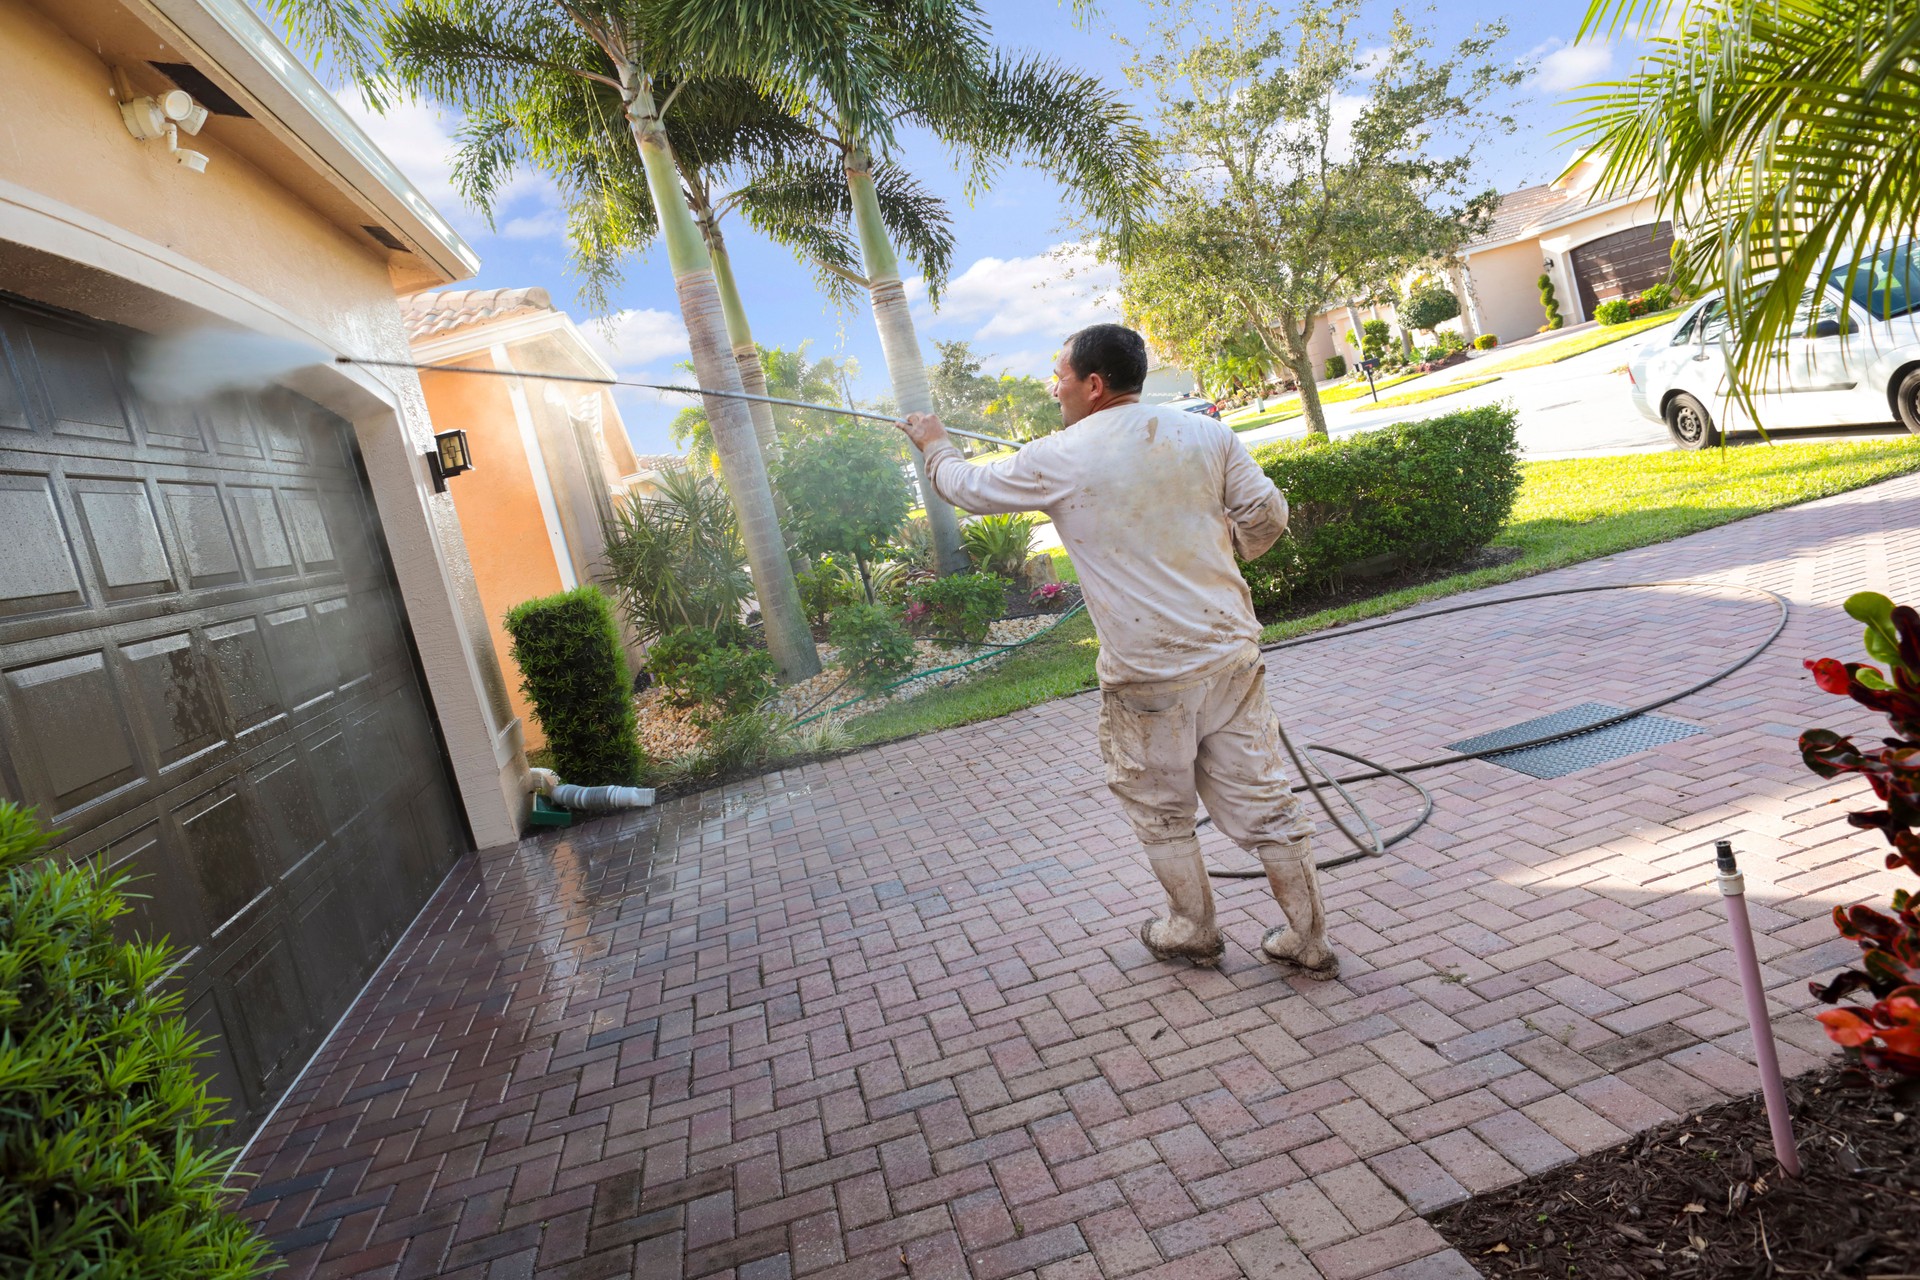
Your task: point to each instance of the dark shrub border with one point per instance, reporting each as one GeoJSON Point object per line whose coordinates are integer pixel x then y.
{"type": "Point", "coordinates": [1414, 494]}
{"type": "Point", "coordinates": [572, 670]}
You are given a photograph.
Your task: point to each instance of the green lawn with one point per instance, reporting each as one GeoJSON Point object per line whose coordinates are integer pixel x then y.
{"type": "Point", "coordinates": [1423, 394]}
{"type": "Point", "coordinates": [1568, 511]}
{"type": "Point", "coordinates": [1288, 409]}
{"type": "Point", "coordinates": [1580, 343]}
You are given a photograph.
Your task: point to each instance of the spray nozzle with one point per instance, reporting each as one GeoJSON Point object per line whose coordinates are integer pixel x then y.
{"type": "Point", "coordinates": [1723, 860]}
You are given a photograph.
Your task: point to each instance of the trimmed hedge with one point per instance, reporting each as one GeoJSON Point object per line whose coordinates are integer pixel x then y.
{"type": "Point", "coordinates": [572, 670]}
{"type": "Point", "coordinates": [105, 1164]}
{"type": "Point", "coordinates": [1418, 493]}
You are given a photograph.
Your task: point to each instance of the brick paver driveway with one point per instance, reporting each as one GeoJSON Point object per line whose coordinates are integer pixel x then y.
{"type": "Point", "coordinates": [887, 1015]}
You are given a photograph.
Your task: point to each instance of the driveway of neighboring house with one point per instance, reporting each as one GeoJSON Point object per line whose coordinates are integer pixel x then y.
{"type": "Point", "coordinates": [888, 1015]}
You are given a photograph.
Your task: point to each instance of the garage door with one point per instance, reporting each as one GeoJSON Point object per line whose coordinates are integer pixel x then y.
{"type": "Point", "coordinates": [1622, 264]}
{"type": "Point", "coordinates": [207, 681]}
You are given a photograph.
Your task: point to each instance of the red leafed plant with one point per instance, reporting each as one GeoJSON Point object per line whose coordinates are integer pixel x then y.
{"type": "Point", "coordinates": [1885, 1034]}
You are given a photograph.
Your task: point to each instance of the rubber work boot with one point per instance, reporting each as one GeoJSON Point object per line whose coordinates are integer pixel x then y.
{"type": "Point", "coordinates": [1189, 932]}
{"type": "Point", "coordinates": [1301, 943]}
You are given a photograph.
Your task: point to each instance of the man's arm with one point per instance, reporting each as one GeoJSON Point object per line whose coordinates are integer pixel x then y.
{"type": "Point", "coordinates": [1007, 484]}
{"type": "Point", "coordinates": [1256, 508]}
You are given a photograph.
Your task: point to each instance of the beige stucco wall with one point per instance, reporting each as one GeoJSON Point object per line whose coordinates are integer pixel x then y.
{"type": "Point", "coordinates": [1507, 292]}
{"type": "Point", "coordinates": [97, 222]}
{"type": "Point", "coordinates": [1506, 279]}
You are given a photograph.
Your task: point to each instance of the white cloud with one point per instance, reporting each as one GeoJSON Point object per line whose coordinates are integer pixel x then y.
{"type": "Point", "coordinates": [636, 337]}
{"type": "Point", "coordinates": [1017, 300]}
{"type": "Point", "coordinates": [1567, 66]}
{"type": "Point", "coordinates": [418, 138]}
{"type": "Point", "coordinates": [548, 224]}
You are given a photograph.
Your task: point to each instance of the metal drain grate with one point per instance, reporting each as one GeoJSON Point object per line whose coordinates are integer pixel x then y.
{"type": "Point", "coordinates": [1570, 755]}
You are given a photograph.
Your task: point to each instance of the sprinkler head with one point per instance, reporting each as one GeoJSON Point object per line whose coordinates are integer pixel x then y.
{"type": "Point", "coordinates": [1723, 858]}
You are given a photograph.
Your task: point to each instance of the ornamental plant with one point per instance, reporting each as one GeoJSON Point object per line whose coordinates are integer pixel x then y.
{"type": "Point", "coordinates": [1000, 543]}
{"type": "Point", "coordinates": [1047, 595]}
{"type": "Point", "coordinates": [1886, 1034]}
{"type": "Point", "coordinates": [875, 649]}
{"type": "Point", "coordinates": [965, 605]}
{"type": "Point", "coordinates": [695, 669]}
{"type": "Point", "coordinates": [1549, 303]}
{"type": "Point", "coordinates": [107, 1167]}
{"type": "Point", "coordinates": [573, 670]}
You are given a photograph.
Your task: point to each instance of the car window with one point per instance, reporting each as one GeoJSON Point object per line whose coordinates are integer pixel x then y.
{"type": "Point", "coordinates": [1712, 324]}
{"type": "Point", "coordinates": [1684, 334]}
{"type": "Point", "coordinates": [1885, 285]}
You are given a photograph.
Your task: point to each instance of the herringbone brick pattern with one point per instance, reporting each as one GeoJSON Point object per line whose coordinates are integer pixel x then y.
{"type": "Point", "coordinates": [887, 1015]}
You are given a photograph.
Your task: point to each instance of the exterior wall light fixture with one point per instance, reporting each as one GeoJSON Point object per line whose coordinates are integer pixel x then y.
{"type": "Point", "coordinates": [167, 116]}
{"type": "Point", "coordinates": [1547, 265]}
{"type": "Point", "coordinates": [448, 458]}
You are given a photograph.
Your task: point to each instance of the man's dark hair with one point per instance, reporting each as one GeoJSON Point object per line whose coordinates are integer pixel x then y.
{"type": "Point", "coordinates": [1113, 351]}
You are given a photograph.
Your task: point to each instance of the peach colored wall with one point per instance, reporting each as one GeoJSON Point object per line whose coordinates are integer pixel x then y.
{"type": "Point", "coordinates": [499, 510]}
{"type": "Point", "coordinates": [63, 135]}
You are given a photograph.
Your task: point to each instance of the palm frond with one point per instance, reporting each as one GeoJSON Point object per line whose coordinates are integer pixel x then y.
{"type": "Point", "coordinates": [1783, 139]}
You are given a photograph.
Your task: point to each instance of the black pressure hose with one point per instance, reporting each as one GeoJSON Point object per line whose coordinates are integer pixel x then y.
{"type": "Point", "coordinates": [1374, 844]}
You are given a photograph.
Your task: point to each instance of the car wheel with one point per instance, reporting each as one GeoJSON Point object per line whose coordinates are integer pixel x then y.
{"type": "Point", "coordinates": [1689, 423]}
{"type": "Point", "coordinates": [1906, 401]}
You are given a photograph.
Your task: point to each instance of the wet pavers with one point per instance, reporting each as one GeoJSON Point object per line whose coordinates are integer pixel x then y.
{"type": "Point", "coordinates": [888, 1015]}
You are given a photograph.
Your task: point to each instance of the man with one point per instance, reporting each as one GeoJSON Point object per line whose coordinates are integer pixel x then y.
{"type": "Point", "coordinates": [1153, 505]}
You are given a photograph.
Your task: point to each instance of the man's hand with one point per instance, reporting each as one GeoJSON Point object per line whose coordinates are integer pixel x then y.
{"type": "Point", "coordinates": [925, 430]}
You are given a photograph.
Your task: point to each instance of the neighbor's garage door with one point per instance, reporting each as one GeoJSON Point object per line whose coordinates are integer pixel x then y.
{"type": "Point", "coordinates": [205, 677]}
{"type": "Point", "coordinates": [1622, 264]}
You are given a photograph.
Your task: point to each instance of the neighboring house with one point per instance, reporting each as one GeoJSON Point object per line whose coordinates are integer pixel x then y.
{"type": "Point", "coordinates": [241, 655]}
{"type": "Point", "coordinates": [1592, 251]}
{"type": "Point", "coordinates": [551, 460]}
{"type": "Point", "coordinates": [1167, 382]}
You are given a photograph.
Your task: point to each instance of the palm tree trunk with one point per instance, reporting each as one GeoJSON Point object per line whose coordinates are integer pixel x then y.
{"type": "Point", "coordinates": [905, 367]}
{"type": "Point", "coordinates": [788, 639]}
{"type": "Point", "coordinates": [746, 352]}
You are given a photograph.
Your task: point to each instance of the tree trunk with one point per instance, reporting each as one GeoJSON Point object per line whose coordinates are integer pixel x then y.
{"type": "Point", "coordinates": [905, 367]}
{"type": "Point", "coordinates": [746, 352]}
{"type": "Point", "coordinates": [1353, 327]}
{"type": "Point", "coordinates": [785, 623]}
{"type": "Point", "coordinates": [1301, 363]}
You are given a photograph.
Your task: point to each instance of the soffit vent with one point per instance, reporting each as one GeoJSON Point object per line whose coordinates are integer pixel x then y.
{"type": "Point", "coordinates": [204, 91]}
{"type": "Point", "coordinates": [386, 238]}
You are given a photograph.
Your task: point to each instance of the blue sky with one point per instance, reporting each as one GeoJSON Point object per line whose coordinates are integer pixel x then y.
{"type": "Point", "coordinates": [1010, 294]}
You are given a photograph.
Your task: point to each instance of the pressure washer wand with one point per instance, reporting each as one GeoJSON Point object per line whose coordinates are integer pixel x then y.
{"type": "Point", "coordinates": [889, 419]}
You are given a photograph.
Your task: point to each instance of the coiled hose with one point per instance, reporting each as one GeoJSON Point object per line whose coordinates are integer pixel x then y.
{"type": "Point", "coordinates": [1374, 845]}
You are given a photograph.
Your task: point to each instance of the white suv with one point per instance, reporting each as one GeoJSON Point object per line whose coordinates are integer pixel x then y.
{"type": "Point", "coordinates": [1858, 361]}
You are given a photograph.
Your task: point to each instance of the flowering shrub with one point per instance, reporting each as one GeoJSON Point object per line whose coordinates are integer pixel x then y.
{"type": "Point", "coordinates": [1047, 595]}
{"type": "Point", "coordinates": [1885, 1034]}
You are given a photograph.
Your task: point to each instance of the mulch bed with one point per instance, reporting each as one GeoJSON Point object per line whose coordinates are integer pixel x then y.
{"type": "Point", "coordinates": [1702, 1198]}
{"type": "Point", "coordinates": [1021, 605]}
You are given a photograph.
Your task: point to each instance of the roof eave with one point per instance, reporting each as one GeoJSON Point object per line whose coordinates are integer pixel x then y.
{"type": "Point", "coordinates": [296, 106]}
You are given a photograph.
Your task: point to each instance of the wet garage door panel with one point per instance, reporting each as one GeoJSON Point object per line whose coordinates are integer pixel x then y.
{"type": "Point", "coordinates": [205, 679]}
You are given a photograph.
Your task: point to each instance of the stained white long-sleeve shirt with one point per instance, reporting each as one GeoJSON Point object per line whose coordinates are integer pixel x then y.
{"type": "Point", "coordinates": [1153, 505]}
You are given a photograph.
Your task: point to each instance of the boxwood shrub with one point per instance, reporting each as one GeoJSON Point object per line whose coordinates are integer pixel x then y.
{"type": "Point", "coordinates": [574, 673]}
{"type": "Point", "coordinates": [1414, 494]}
{"type": "Point", "coordinates": [105, 1164]}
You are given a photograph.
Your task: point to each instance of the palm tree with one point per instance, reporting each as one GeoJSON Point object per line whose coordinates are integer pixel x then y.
{"type": "Point", "coordinates": [927, 63]}
{"type": "Point", "coordinates": [790, 375]}
{"type": "Point", "coordinates": [1781, 136]}
{"type": "Point", "coordinates": [512, 61]}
